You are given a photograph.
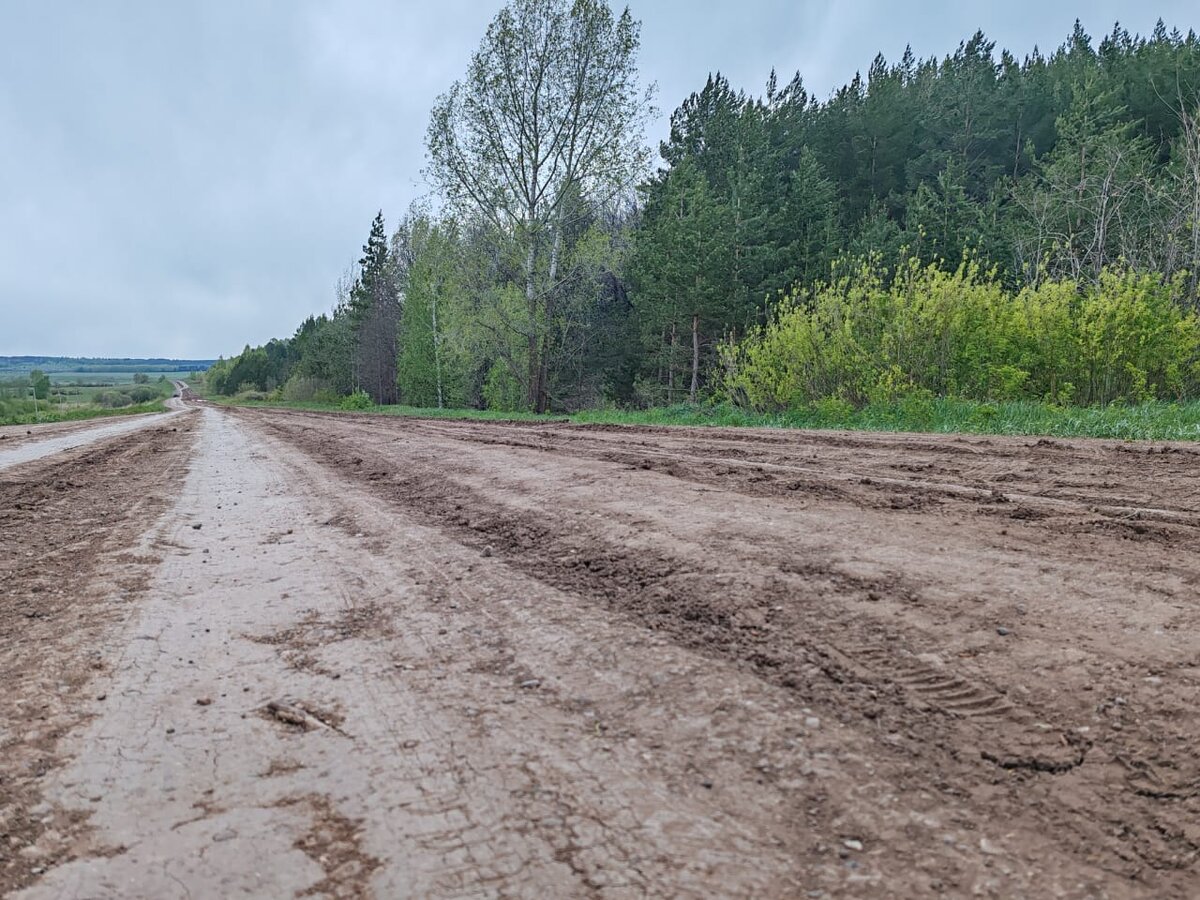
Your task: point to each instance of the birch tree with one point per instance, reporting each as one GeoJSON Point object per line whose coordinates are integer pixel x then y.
{"type": "Point", "coordinates": [550, 112]}
{"type": "Point", "coordinates": [430, 284]}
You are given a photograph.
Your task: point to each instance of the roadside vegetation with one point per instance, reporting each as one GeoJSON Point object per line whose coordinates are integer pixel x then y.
{"type": "Point", "coordinates": [978, 242]}
{"type": "Point", "coordinates": [1161, 421]}
{"type": "Point", "coordinates": [37, 398]}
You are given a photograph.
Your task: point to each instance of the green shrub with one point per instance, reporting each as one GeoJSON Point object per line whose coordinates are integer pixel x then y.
{"type": "Point", "coordinates": [113, 399]}
{"type": "Point", "coordinates": [501, 390]}
{"type": "Point", "coordinates": [304, 389]}
{"type": "Point", "coordinates": [933, 333]}
{"type": "Point", "coordinates": [359, 400]}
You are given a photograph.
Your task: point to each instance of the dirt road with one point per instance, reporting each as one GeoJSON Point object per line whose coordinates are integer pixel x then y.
{"type": "Point", "coordinates": [268, 653]}
{"type": "Point", "coordinates": [20, 444]}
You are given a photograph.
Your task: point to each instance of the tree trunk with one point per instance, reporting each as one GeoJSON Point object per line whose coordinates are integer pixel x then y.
{"type": "Point", "coordinates": [671, 369]}
{"type": "Point", "coordinates": [543, 394]}
{"type": "Point", "coordinates": [695, 356]}
{"type": "Point", "coordinates": [437, 357]}
{"type": "Point", "coordinates": [532, 388]}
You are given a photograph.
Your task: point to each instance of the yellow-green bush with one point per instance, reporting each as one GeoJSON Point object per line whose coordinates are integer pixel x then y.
{"type": "Point", "coordinates": [931, 332]}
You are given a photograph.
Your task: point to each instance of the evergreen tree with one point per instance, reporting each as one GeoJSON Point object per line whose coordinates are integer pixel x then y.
{"type": "Point", "coordinates": [375, 314]}
{"type": "Point", "coordinates": [682, 266]}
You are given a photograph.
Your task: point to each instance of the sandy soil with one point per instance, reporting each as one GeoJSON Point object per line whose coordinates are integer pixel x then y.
{"type": "Point", "coordinates": [361, 656]}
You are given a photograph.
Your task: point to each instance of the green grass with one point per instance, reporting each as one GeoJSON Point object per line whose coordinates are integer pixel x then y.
{"type": "Point", "coordinates": [74, 402]}
{"type": "Point", "coordinates": [1148, 421]}
{"type": "Point", "coordinates": [78, 413]}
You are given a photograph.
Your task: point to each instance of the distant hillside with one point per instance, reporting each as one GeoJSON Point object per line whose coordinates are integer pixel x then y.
{"type": "Point", "coordinates": [87, 365]}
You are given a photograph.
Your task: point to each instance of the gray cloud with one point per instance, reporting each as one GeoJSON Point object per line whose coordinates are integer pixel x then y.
{"type": "Point", "coordinates": [182, 178]}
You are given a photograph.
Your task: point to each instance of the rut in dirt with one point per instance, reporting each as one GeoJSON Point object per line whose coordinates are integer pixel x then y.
{"type": "Point", "coordinates": [1093, 755]}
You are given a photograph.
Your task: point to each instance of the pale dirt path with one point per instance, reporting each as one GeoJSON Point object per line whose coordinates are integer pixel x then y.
{"type": "Point", "coordinates": [489, 736]}
{"type": "Point", "coordinates": [561, 662]}
{"type": "Point", "coordinates": [44, 440]}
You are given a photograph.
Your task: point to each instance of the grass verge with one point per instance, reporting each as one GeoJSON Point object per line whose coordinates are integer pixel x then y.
{"type": "Point", "coordinates": [79, 413]}
{"type": "Point", "coordinates": [1147, 421]}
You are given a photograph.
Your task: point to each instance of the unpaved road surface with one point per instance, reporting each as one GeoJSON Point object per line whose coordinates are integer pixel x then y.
{"type": "Point", "coordinates": [21, 444]}
{"type": "Point", "coordinates": [270, 654]}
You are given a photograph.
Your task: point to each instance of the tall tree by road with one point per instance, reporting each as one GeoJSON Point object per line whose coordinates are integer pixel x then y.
{"type": "Point", "coordinates": [375, 312]}
{"type": "Point", "coordinates": [550, 113]}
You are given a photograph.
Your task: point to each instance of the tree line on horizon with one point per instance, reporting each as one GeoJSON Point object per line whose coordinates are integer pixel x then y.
{"type": "Point", "coordinates": [554, 270]}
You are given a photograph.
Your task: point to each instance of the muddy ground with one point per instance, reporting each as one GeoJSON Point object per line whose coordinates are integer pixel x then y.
{"type": "Point", "coordinates": [274, 653]}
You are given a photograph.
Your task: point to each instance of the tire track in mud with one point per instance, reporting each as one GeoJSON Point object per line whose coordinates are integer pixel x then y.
{"type": "Point", "coordinates": [764, 475]}
{"type": "Point", "coordinates": [869, 481]}
{"type": "Point", "coordinates": [459, 784]}
{"type": "Point", "coordinates": [799, 626]}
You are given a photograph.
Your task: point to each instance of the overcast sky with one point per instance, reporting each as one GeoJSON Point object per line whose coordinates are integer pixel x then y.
{"type": "Point", "coordinates": [183, 178]}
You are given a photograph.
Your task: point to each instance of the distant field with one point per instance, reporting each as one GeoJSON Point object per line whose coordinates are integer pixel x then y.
{"type": "Point", "coordinates": [115, 369]}
{"type": "Point", "coordinates": [84, 397]}
{"type": "Point", "coordinates": [108, 379]}
{"type": "Point", "coordinates": [83, 387]}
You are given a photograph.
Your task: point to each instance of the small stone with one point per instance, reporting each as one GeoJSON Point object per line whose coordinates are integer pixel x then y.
{"type": "Point", "coordinates": [812, 722]}
{"type": "Point", "coordinates": [852, 844]}
{"type": "Point", "coordinates": [102, 696]}
{"type": "Point", "coordinates": [989, 848]}
{"type": "Point", "coordinates": [197, 526]}
{"type": "Point", "coordinates": [170, 729]}
{"type": "Point", "coordinates": [37, 870]}
{"type": "Point", "coordinates": [530, 684]}
{"type": "Point", "coordinates": [1153, 679]}
{"type": "Point", "coordinates": [227, 835]}
{"type": "Point", "coordinates": [706, 784]}
{"type": "Point", "coordinates": [204, 701]}
{"type": "Point", "coordinates": [1002, 631]}
{"type": "Point", "coordinates": [487, 551]}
